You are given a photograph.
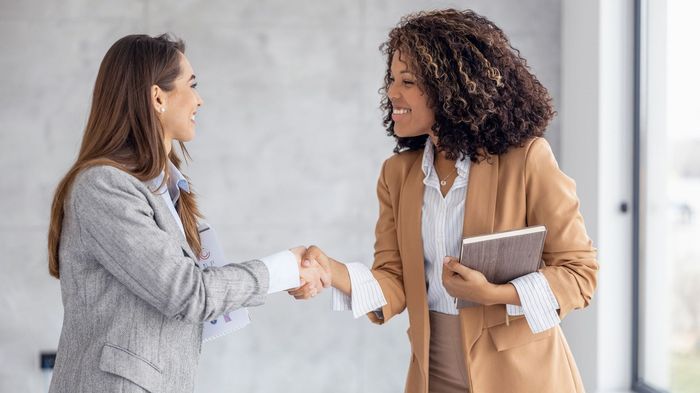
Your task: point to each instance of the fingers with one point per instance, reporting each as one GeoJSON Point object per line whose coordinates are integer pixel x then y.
{"type": "Point", "coordinates": [452, 264]}
{"type": "Point", "coordinates": [298, 249]}
{"type": "Point", "coordinates": [313, 275]}
{"type": "Point", "coordinates": [326, 278]}
{"type": "Point", "coordinates": [324, 272]}
{"type": "Point", "coordinates": [313, 252]}
{"type": "Point", "coordinates": [298, 252]}
{"type": "Point", "coordinates": [301, 284]}
{"type": "Point", "coordinates": [304, 292]}
{"type": "Point", "coordinates": [449, 260]}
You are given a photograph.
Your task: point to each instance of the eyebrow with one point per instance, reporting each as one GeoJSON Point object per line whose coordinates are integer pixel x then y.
{"type": "Point", "coordinates": [192, 77]}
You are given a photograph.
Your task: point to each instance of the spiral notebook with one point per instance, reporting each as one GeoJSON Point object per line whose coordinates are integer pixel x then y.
{"type": "Point", "coordinates": [503, 256]}
{"type": "Point", "coordinates": [213, 255]}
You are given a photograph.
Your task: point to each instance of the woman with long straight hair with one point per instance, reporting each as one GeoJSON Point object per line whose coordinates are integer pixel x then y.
{"type": "Point", "coordinates": [468, 118]}
{"type": "Point", "coordinates": [123, 236]}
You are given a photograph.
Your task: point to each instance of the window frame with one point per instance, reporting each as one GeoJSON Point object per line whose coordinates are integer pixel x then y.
{"type": "Point", "coordinates": [640, 131]}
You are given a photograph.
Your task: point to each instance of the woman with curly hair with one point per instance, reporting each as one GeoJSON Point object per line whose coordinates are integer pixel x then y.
{"type": "Point", "coordinates": [468, 119]}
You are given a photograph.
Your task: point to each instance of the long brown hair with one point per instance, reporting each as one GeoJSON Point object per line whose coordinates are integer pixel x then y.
{"type": "Point", "coordinates": [123, 129]}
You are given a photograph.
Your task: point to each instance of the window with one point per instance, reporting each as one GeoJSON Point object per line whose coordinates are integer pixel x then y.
{"type": "Point", "coordinates": [667, 211]}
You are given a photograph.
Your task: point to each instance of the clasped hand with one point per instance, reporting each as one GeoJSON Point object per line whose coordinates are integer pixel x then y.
{"type": "Point", "coordinates": [315, 272]}
{"type": "Point", "coordinates": [464, 283]}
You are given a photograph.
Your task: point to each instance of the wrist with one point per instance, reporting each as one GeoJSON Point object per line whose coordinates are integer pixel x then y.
{"type": "Point", "coordinates": [491, 294]}
{"type": "Point", "coordinates": [502, 294]}
{"type": "Point", "coordinates": [340, 277]}
{"type": "Point", "coordinates": [497, 294]}
{"type": "Point", "coordinates": [335, 267]}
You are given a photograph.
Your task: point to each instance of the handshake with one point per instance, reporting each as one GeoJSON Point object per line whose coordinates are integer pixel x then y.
{"type": "Point", "coordinates": [314, 271]}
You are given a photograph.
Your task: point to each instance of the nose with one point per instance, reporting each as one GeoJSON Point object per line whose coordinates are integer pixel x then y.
{"type": "Point", "coordinates": [392, 92]}
{"type": "Point", "coordinates": [200, 101]}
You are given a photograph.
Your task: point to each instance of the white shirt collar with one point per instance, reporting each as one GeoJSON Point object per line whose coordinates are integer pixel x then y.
{"type": "Point", "coordinates": [176, 182]}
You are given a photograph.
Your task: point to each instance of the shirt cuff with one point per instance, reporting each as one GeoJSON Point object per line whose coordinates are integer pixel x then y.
{"type": "Point", "coordinates": [539, 305]}
{"type": "Point", "coordinates": [341, 301]}
{"type": "Point", "coordinates": [366, 295]}
{"type": "Point", "coordinates": [284, 271]}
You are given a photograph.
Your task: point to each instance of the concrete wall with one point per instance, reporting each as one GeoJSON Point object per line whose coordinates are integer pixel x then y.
{"type": "Point", "coordinates": [288, 149]}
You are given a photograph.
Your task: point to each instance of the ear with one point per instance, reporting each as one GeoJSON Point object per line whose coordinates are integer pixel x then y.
{"type": "Point", "coordinates": [158, 99]}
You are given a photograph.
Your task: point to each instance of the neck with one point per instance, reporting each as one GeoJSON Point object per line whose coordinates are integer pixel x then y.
{"type": "Point", "coordinates": [440, 156]}
{"type": "Point", "coordinates": [168, 145]}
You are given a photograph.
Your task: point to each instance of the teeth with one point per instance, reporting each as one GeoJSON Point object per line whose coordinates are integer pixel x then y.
{"type": "Point", "coordinates": [192, 118]}
{"type": "Point", "coordinates": [401, 111]}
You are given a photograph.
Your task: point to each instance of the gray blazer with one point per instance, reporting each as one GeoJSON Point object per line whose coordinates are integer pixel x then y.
{"type": "Point", "coordinates": [133, 299]}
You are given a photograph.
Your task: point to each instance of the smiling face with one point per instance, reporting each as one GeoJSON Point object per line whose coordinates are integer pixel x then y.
{"type": "Point", "coordinates": [411, 113]}
{"type": "Point", "coordinates": [177, 108]}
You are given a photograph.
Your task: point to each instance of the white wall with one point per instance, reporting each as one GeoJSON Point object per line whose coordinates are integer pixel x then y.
{"type": "Point", "coordinates": [288, 150]}
{"type": "Point", "coordinates": [596, 146]}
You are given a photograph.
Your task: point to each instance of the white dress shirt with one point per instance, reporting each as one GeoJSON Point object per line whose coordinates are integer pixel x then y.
{"type": "Point", "coordinates": [441, 230]}
{"type": "Point", "coordinates": [282, 266]}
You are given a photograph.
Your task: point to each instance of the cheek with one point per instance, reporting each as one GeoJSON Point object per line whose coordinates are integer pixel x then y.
{"type": "Point", "coordinates": [424, 115]}
{"type": "Point", "coordinates": [424, 119]}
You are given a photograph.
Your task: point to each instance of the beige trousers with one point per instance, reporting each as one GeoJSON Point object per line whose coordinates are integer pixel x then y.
{"type": "Point", "coordinates": [448, 371]}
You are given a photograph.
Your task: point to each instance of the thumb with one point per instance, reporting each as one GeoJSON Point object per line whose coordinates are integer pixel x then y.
{"type": "Point", "coordinates": [450, 262]}
{"type": "Point", "coordinates": [453, 264]}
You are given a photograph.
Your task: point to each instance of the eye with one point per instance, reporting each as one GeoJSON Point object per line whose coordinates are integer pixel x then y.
{"type": "Point", "coordinates": [408, 82]}
{"type": "Point", "coordinates": [194, 85]}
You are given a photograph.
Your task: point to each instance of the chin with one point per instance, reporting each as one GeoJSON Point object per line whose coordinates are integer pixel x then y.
{"type": "Point", "coordinates": [407, 134]}
{"type": "Point", "coordinates": [186, 137]}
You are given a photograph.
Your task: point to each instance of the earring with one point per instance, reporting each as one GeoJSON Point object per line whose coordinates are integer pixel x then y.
{"type": "Point", "coordinates": [162, 109]}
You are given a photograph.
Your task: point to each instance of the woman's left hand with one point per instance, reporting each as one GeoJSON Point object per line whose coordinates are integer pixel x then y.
{"type": "Point", "coordinates": [465, 283]}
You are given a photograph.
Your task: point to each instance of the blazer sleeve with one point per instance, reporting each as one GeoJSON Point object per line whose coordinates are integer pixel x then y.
{"type": "Point", "coordinates": [570, 259]}
{"type": "Point", "coordinates": [387, 267]}
{"type": "Point", "coordinates": [117, 227]}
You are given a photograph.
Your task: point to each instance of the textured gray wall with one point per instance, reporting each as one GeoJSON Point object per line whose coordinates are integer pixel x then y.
{"type": "Point", "coordinates": [288, 149]}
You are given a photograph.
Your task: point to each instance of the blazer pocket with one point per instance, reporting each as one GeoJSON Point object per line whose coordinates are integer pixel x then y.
{"type": "Point", "coordinates": [517, 334]}
{"type": "Point", "coordinates": [126, 364]}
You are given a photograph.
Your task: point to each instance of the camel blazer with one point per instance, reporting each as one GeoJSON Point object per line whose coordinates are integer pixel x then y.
{"type": "Point", "coordinates": [522, 187]}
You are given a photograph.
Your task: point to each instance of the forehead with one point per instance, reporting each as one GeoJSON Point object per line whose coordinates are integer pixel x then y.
{"type": "Point", "coordinates": [185, 67]}
{"type": "Point", "coordinates": [400, 62]}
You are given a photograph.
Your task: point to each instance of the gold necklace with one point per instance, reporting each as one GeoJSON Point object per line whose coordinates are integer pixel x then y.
{"type": "Point", "coordinates": [443, 182]}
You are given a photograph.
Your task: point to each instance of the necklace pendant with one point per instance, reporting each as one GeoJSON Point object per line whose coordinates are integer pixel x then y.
{"type": "Point", "coordinates": [443, 182]}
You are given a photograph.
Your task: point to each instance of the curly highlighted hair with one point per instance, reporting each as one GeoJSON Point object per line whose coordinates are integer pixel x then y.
{"type": "Point", "coordinates": [484, 97]}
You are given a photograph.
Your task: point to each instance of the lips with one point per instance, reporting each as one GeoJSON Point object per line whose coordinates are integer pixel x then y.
{"type": "Point", "coordinates": [398, 113]}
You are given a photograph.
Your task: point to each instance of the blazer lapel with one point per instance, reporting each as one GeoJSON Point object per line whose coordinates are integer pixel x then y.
{"type": "Point", "coordinates": [409, 228]}
{"type": "Point", "coordinates": [165, 220]}
{"type": "Point", "coordinates": [411, 247]}
{"type": "Point", "coordinates": [479, 217]}
{"type": "Point", "coordinates": [482, 190]}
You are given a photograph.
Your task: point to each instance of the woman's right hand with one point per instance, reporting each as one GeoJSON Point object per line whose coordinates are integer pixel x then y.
{"type": "Point", "coordinates": [310, 281]}
{"type": "Point", "coordinates": [314, 254]}
{"type": "Point", "coordinates": [317, 264]}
